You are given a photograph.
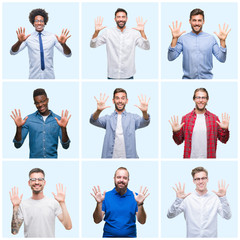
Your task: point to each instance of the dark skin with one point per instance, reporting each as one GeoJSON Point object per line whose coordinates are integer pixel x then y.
{"type": "Point", "coordinates": [39, 27]}
{"type": "Point", "coordinates": [41, 103]}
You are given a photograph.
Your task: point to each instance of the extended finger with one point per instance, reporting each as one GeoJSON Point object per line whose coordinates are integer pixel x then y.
{"type": "Point", "coordinates": [140, 189]}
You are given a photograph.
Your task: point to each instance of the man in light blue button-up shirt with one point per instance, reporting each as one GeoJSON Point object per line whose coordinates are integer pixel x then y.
{"type": "Point", "coordinates": [197, 47]}
{"type": "Point", "coordinates": [120, 141]}
{"type": "Point", "coordinates": [39, 18]}
{"type": "Point", "coordinates": [44, 128]}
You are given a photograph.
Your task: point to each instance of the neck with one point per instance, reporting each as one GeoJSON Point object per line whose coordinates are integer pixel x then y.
{"type": "Point", "coordinates": [119, 112]}
{"type": "Point", "coordinates": [201, 192]}
{"type": "Point", "coordinates": [38, 196]}
{"type": "Point", "coordinates": [196, 32]}
{"type": "Point", "coordinates": [121, 29]}
{"type": "Point", "coordinates": [199, 111]}
{"type": "Point", "coordinates": [46, 113]}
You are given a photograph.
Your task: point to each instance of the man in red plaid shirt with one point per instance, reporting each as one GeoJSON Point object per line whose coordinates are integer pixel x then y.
{"type": "Point", "coordinates": [200, 129]}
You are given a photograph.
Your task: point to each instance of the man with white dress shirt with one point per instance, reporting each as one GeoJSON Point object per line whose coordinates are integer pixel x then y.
{"type": "Point", "coordinates": [201, 207]}
{"type": "Point", "coordinates": [120, 44]}
{"type": "Point", "coordinates": [40, 46]}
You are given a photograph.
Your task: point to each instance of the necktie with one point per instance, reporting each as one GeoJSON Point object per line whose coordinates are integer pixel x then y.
{"type": "Point", "coordinates": [41, 51]}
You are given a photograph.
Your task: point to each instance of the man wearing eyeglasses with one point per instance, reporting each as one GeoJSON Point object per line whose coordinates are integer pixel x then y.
{"type": "Point", "coordinates": [40, 45]}
{"type": "Point", "coordinates": [201, 207]}
{"type": "Point", "coordinates": [44, 128]}
{"type": "Point", "coordinates": [200, 129]}
{"type": "Point", "coordinates": [38, 212]}
{"type": "Point", "coordinates": [120, 140]}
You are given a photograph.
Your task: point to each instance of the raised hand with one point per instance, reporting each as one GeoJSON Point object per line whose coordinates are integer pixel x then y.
{"type": "Point", "coordinates": [175, 29]}
{"type": "Point", "coordinates": [21, 34]}
{"type": "Point", "coordinates": [17, 118]}
{"type": "Point", "coordinates": [223, 32]}
{"type": "Point", "coordinates": [225, 121]}
{"type": "Point", "coordinates": [64, 119]}
{"type": "Point", "coordinates": [180, 191]}
{"type": "Point", "coordinates": [15, 199]}
{"type": "Point", "coordinates": [140, 24]}
{"type": "Point", "coordinates": [61, 194]}
{"type": "Point", "coordinates": [142, 195]}
{"type": "Point", "coordinates": [99, 197]}
{"type": "Point", "coordinates": [63, 37]}
{"type": "Point", "coordinates": [101, 103]}
{"type": "Point", "coordinates": [175, 125]}
{"type": "Point", "coordinates": [98, 24]}
{"type": "Point", "coordinates": [222, 188]}
{"type": "Point", "coordinates": [143, 103]}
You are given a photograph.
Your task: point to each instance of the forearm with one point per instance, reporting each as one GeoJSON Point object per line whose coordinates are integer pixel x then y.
{"type": "Point", "coordinates": [16, 46]}
{"type": "Point", "coordinates": [18, 135]}
{"type": "Point", "coordinates": [95, 34]}
{"type": "Point", "coordinates": [96, 114]}
{"type": "Point", "coordinates": [67, 222]}
{"type": "Point", "coordinates": [175, 209]}
{"type": "Point", "coordinates": [141, 216]}
{"type": "Point", "coordinates": [16, 223]}
{"type": "Point", "coordinates": [143, 34]}
{"type": "Point", "coordinates": [65, 137]}
{"type": "Point", "coordinates": [174, 42]}
{"type": "Point", "coordinates": [98, 215]}
{"type": "Point", "coordinates": [226, 211]}
{"type": "Point", "coordinates": [223, 43]}
{"type": "Point", "coordinates": [66, 49]}
{"type": "Point", "coordinates": [145, 115]}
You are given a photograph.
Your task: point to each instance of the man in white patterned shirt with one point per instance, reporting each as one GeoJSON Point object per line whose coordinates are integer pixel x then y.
{"type": "Point", "coordinates": [120, 43]}
{"type": "Point", "coordinates": [201, 207]}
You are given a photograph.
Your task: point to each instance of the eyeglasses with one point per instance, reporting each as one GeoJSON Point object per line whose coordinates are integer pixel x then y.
{"type": "Point", "coordinates": [43, 101]}
{"type": "Point", "coordinates": [203, 98]}
{"type": "Point", "coordinates": [38, 21]}
{"type": "Point", "coordinates": [198, 179]}
{"type": "Point", "coordinates": [36, 179]}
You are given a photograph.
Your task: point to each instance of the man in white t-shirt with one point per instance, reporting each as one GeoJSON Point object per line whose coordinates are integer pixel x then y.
{"type": "Point", "coordinates": [201, 207]}
{"type": "Point", "coordinates": [38, 212]}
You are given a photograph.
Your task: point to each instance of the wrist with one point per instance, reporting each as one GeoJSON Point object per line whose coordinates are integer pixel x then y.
{"type": "Point", "coordinates": [140, 204]}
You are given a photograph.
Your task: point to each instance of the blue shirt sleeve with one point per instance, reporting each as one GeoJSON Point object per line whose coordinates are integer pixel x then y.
{"type": "Point", "coordinates": [100, 122]}
{"type": "Point", "coordinates": [18, 144]}
{"type": "Point", "coordinates": [140, 122]}
{"type": "Point", "coordinates": [173, 53]}
{"type": "Point", "coordinates": [219, 52]}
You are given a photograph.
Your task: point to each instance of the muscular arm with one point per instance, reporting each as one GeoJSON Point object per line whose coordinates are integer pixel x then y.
{"type": "Point", "coordinates": [16, 222]}
{"type": "Point", "coordinates": [98, 213]}
{"type": "Point", "coordinates": [65, 217]}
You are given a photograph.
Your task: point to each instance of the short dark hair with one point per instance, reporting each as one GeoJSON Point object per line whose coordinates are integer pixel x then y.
{"type": "Point", "coordinates": [196, 11]}
{"type": "Point", "coordinates": [120, 10]}
{"type": "Point", "coordinates": [38, 12]}
{"type": "Point", "coordinates": [200, 90]}
{"type": "Point", "coordinates": [36, 170]}
{"type": "Point", "coordinates": [197, 170]}
{"type": "Point", "coordinates": [121, 168]}
{"type": "Point", "coordinates": [118, 90]}
{"type": "Point", "coordinates": [38, 92]}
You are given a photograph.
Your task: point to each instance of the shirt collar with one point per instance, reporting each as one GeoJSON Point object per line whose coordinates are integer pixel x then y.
{"type": "Point", "coordinates": [196, 35]}
{"type": "Point", "coordinates": [124, 30]}
{"type": "Point", "coordinates": [38, 113]}
{"type": "Point", "coordinates": [204, 195]}
{"type": "Point", "coordinates": [123, 113]}
{"type": "Point", "coordinates": [127, 193]}
{"type": "Point", "coordinates": [206, 112]}
{"type": "Point", "coordinates": [36, 33]}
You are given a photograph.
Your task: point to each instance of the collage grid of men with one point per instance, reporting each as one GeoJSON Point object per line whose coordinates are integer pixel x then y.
{"type": "Point", "coordinates": [129, 122]}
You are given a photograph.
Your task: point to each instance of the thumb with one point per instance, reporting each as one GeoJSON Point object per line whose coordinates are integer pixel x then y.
{"type": "Point", "coordinates": [104, 193]}
{"type": "Point", "coordinates": [134, 194]}
{"type": "Point", "coordinates": [54, 195]}
{"type": "Point", "coordinates": [56, 119]}
{"type": "Point", "coordinates": [218, 123]}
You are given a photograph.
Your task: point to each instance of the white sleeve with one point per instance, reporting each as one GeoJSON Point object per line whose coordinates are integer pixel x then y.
{"type": "Point", "coordinates": [176, 208]}
{"type": "Point", "coordinates": [224, 208]}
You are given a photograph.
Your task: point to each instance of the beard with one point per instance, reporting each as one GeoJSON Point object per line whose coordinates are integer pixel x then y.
{"type": "Point", "coordinates": [120, 110]}
{"type": "Point", "coordinates": [197, 32]}
{"type": "Point", "coordinates": [122, 190]}
{"type": "Point", "coordinates": [121, 26]}
{"type": "Point", "coordinates": [201, 109]}
{"type": "Point", "coordinates": [37, 191]}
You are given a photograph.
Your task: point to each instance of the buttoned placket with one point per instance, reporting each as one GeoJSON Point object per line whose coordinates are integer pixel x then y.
{"type": "Point", "coordinates": [198, 54]}
{"type": "Point", "coordinates": [44, 138]}
{"type": "Point", "coordinates": [120, 53]}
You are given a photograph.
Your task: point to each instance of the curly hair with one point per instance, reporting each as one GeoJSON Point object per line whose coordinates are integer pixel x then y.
{"type": "Point", "coordinates": [38, 12]}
